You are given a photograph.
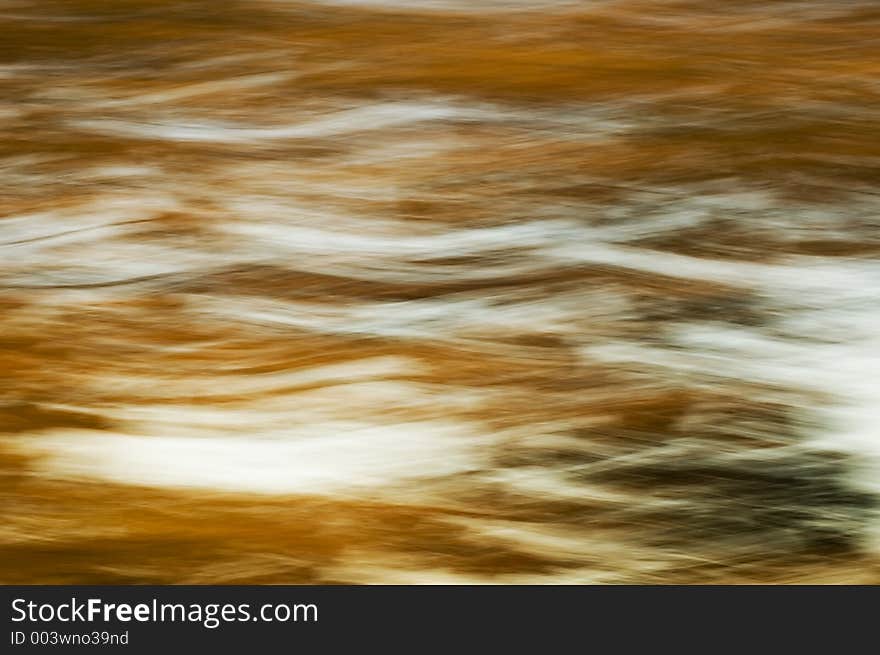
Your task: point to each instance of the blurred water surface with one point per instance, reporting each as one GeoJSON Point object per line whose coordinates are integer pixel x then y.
{"type": "Point", "coordinates": [441, 291]}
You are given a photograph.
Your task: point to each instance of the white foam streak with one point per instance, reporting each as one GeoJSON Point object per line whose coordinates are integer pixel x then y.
{"type": "Point", "coordinates": [358, 119]}
{"type": "Point", "coordinates": [330, 458]}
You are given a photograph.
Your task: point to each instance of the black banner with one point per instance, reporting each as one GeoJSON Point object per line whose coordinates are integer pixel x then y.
{"type": "Point", "coordinates": [290, 618]}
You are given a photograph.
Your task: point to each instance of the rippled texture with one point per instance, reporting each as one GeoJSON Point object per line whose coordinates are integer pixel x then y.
{"type": "Point", "coordinates": [418, 292]}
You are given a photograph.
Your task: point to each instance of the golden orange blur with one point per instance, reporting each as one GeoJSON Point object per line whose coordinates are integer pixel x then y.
{"type": "Point", "coordinates": [439, 292]}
